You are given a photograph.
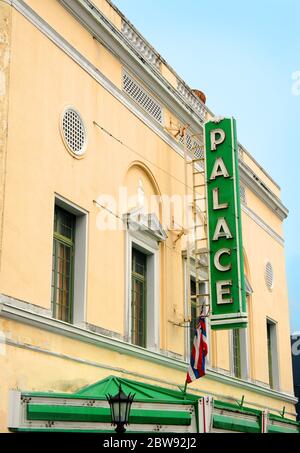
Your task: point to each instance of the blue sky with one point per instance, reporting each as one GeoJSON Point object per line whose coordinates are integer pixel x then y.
{"type": "Point", "coordinates": [242, 55]}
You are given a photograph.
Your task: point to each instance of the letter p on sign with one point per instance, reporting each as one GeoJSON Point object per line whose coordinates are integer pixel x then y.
{"type": "Point", "coordinates": [217, 136]}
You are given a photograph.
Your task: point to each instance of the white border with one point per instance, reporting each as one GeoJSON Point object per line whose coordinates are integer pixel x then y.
{"type": "Point", "coordinates": [62, 132]}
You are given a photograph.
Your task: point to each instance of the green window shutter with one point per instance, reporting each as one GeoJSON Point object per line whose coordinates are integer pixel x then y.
{"type": "Point", "coordinates": [63, 265]}
{"type": "Point", "coordinates": [139, 298]}
{"type": "Point", "coordinates": [270, 364]}
{"type": "Point", "coordinates": [236, 340]}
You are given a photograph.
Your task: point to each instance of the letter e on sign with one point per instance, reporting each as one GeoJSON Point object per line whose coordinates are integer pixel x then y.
{"type": "Point", "coordinates": [223, 288]}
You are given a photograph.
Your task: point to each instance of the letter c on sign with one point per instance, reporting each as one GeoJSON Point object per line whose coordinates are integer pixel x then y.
{"type": "Point", "coordinates": [217, 136]}
{"type": "Point", "coordinates": [217, 258]}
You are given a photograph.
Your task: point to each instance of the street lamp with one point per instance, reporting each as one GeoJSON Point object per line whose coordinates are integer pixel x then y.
{"type": "Point", "coordinates": [120, 405]}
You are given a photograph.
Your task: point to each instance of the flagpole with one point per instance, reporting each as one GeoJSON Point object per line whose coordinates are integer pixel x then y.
{"type": "Point", "coordinates": [186, 225]}
{"type": "Point", "coordinates": [185, 386]}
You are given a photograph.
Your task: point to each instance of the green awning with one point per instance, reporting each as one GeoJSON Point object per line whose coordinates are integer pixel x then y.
{"type": "Point", "coordinates": [87, 410]}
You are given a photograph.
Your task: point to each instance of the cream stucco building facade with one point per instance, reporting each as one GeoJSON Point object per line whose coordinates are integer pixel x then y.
{"type": "Point", "coordinates": [88, 109]}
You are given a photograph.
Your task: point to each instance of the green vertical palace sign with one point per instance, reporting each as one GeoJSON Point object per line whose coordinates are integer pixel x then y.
{"type": "Point", "coordinates": [226, 264]}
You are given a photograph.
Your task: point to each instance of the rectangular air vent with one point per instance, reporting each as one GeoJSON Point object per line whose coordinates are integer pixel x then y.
{"type": "Point", "coordinates": [142, 98]}
{"type": "Point", "coordinates": [194, 146]}
{"type": "Point", "coordinates": [243, 194]}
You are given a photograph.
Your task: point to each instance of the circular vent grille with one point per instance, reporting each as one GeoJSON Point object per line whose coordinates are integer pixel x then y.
{"type": "Point", "coordinates": [73, 131]}
{"type": "Point", "coordinates": [269, 276]}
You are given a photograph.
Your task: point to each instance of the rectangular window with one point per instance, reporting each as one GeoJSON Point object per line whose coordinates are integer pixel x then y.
{"type": "Point", "coordinates": [63, 265]}
{"type": "Point", "coordinates": [236, 349]}
{"type": "Point", "coordinates": [273, 368]}
{"type": "Point", "coordinates": [272, 355]}
{"type": "Point", "coordinates": [139, 298]}
{"type": "Point", "coordinates": [270, 365]}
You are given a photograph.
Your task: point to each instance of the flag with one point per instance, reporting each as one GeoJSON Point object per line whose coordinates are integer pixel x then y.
{"type": "Point", "coordinates": [199, 352]}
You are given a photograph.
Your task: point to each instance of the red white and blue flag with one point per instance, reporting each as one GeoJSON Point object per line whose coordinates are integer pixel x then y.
{"type": "Point", "coordinates": [199, 352]}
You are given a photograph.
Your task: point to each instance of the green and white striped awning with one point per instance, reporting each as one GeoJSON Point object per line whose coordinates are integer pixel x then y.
{"type": "Point", "coordinates": [155, 409]}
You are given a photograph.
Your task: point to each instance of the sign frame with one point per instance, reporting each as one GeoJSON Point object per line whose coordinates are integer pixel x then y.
{"type": "Point", "coordinates": [224, 228]}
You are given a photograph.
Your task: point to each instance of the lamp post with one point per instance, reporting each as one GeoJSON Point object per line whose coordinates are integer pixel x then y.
{"type": "Point", "coordinates": [120, 406]}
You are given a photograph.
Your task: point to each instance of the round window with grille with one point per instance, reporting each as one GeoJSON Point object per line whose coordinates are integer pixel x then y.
{"type": "Point", "coordinates": [73, 131]}
{"type": "Point", "coordinates": [269, 275]}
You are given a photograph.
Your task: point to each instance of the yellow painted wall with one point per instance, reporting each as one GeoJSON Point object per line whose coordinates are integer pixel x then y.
{"type": "Point", "coordinates": [168, 75]}
{"type": "Point", "coordinates": [261, 248]}
{"type": "Point", "coordinates": [43, 81]}
{"type": "Point", "coordinates": [42, 371]}
{"type": "Point", "coordinates": [261, 174]}
{"type": "Point", "coordinates": [5, 43]}
{"type": "Point", "coordinates": [68, 27]}
{"type": "Point", "coordinates": [109, 12]}
{"type": "Point", "coordinates": [264, 212]}
{"type": "Point", "coordinates": [39, 161]}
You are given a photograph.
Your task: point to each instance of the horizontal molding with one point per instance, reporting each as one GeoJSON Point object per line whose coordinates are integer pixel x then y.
{"type": "Point", "coordinates": [13, 311]}
{"type": "Point", "coordinates": [253, 182]}
{"type": "Point", "coordinates": [248, 177]}
{"type": "Point", "coordinates": [244, 150]}
{"type": "Point", "coordinates": [97, 75]}
{"type": "Point", "coordinates": [41, 320]}
{"type": "Point", "coordinates": [260, 222]}
{"type": "Point", "coordinates": [113, 39]}
{"type": "Point", "coordinates": [121, 371]}
{"type": "Point", "coordinates": [247, 385]}
{"type": "Point", "coordinates": [143, 47]}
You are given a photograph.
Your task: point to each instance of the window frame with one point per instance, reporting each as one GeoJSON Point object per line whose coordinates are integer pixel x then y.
{"type": "Point", "coordinates": [79, 286]}
{"type": "Point", "coordinates": [244, 353]}
{"type": "Point", "coordinates": [70, 243]}
{"type": "Point", "coordinates": [140, 240]}
{"type": "Point", "coordinates": [273, 374]}
{"type": "Point", "coordinates": [141, 279]}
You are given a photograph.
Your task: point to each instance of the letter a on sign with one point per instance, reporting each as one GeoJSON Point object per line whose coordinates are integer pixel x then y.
{"type": "Point", "coordinates": [226, 264]}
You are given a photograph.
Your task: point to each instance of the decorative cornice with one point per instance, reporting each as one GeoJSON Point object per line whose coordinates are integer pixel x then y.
{"type": "Point", "coordinates": [100, 78]}
{"type": "Point", "coordinates": [189, 96]}
{"type": "Point", "coordinates": [243, 150]}
{"type": "Point", "coordinates": [247, 175]}
{"type": "Point", "coordinates": [146, 223]}
{"type": "Point", "coordinates": [113, 39]}
{"type": "Point", "coordinates": [96, 22]}
{"type": "Point", "coordinates": [140, 45]}
{"type": "Point", "coordinates": [254, 183]}
{"type": "Point", "coordinates": [154, 59]}
{"type": "Point", "coordinates": [259, 221]}
{"type": "Point", "coordinates": [12, 310]}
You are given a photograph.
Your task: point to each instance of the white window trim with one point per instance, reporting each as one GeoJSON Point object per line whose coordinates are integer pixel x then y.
{"type": "Point", "coordinates": [80, 259]}
{"type": "Point", "coordinates": [143, 242]}
{"type": "Point", "coordinates": [274, 352]}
